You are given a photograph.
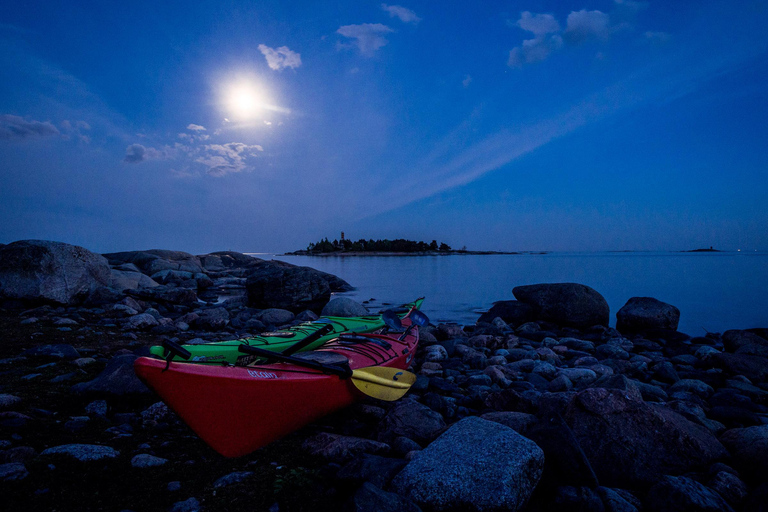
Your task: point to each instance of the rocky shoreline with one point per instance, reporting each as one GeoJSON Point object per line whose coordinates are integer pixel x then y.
{"type": "Point", "coordinates": [538, 406]}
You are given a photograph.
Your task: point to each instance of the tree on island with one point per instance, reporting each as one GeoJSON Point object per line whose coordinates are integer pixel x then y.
{"type": "Point", "coordinates": [386, 245]}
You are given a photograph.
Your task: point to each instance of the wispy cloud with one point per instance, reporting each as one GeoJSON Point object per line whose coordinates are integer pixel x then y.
{"type": "Point", "coordinates": [452, 165]}
{"type": "Point", "coordinates": [280, 58]}
{"type": "Point", "coordinates": [405, 15]}
{"type": "Point", "coordinates": [367, 37]}
{"type": "Point", "coordinates": [136, 153]}
{"type": "Point", "coordinates": [195, 127]}
{"type": "Point", "coordinates": [15, 127]}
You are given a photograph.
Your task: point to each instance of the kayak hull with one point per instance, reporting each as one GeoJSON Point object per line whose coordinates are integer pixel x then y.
{"type": "Point", "coordinates": [238, 409]}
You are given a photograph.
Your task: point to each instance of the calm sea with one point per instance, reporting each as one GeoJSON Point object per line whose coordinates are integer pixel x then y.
{"type": "Point", "coordinates": [714, 291]}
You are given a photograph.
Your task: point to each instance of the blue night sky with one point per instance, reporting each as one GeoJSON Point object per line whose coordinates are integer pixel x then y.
{"type": "Point", "coordinates": [262, 126]}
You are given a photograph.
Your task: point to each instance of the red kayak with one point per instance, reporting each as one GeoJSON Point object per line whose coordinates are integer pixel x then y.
{"type": "Point", "coordinates": [238, 409]}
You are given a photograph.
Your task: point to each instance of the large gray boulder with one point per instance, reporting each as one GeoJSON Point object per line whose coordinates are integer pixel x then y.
{"type": "Point", "coordinates": [512, 312]}
{"type": "Point", "coordinates": [343, 306]}
{"type": "Point", "coordinates": [630, 443]}
{"type": "Point", "coordinates": [646, 313]}
{"type": "Point", "coordinates": [122, 280]}
{"type": "Point", "coordinates": [275, 284]}
{"type": "Point", "coordinates": [476, 465]}
{"type": "Point", "coordinates": [118, 379]}
{"type": "Point", "coordinates": [39, 271]}
{"type": "Point", "coordinates": [155, 260]}
{"type": "Point", "coordinates": [567, 304]}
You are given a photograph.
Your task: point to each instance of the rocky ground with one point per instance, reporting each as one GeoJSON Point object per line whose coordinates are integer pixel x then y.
{"type": "Point", "coordinates": [538, 406]}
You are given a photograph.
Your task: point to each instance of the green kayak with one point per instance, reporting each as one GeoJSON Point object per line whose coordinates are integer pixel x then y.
{"type": "Point", "coordinates": [301, 337]}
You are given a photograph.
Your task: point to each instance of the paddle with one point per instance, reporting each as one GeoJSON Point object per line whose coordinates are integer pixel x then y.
{"type": "Point", "coordinates": [379, 382]}
{"type": "Point", "coordinates": [308, 340]}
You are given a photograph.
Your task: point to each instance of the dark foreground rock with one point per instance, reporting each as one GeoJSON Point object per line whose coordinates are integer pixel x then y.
{"type": "Point", "coordinates": [646, 313]}
{"type": "Point", "coordinates": [40, 271]}
{"type": "Point", "coordinates": [567, 304]}
{"type": "Point", "coordinates": [476, 465]}
{"type": "Point", "coordinates": [281, 285]}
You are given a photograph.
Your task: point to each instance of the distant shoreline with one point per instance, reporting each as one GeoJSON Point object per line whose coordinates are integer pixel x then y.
{"type": "Point", "coordinates": [423, 253]}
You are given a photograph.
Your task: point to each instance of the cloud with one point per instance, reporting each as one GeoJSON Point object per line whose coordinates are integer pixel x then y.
{"type": "Point", "coordinates": [136, 153]}
{"type": "Point", "coordinates": [195, 127]}
{"type": "Point", "coordinates": [405, 15]}
{"type": "Point", "coordinates": [15, 127]}
{"type": "Point", "coordinates": [583, 25]}
{"type": "Point", "coordinates": [280, 58]}
{"type": "Point", "coordinates": [223, 159]}
{"type": "Point", "coordinates": [534, 50]}
{"type": "Point", "coordinates": [367, 37]}
{"type": "Point", "coordinates": [467, 80]}
{"type": "Point", "coordinates": [539, 24]}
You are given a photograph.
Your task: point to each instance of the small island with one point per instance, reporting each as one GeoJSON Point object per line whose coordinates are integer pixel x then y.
{"type": "Point", "coordinates": [386, 247]}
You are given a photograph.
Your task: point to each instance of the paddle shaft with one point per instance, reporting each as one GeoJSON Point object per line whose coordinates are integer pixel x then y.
{"type": "Point", "coordinates": [344, 373]}
{"type": "Point", "coordinates": [308, 340]}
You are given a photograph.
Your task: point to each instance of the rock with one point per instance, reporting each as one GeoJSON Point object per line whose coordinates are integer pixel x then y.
{"type": "Point", "coordinates": [567, 304]}
{"type": "Point", "coordinates": [60, 351]}
{"type": "Point", "coordinates": [435, 353]}
{"type": "Point", "coordinates": [476, 465]}
{"type": "Point", "coordinates": [517, 421]}
{"type": "Point", "coordinates": [577, 499]}
{"type": "Point", "coordinates": [8, 401]}
{"type": "Point", "coordinates": [226, 260]}
{"type": "Point", "coordinates": [18, 454]}
{"type": "Point", "coordinates": [729, 486]}
{"type": "Point", "coordinates": [145, 460]}
{"type": "Point", "coordinates": [697, 387]}
{"type": "Point", "coordinates": [579, 376]}
{"type": "Point", "coordinates": [157, 413]}
{"type": "Point", "coordinates": [755, 368]}
{"type": "Point", "coordinates": [39, 271]}
{"type": "Point", "coordinates": [82, 452]}
{"type": "Point", "coordinates": [174, 486]}
{"type": "Point", "coordinates": [643, 313]}
{"type": "Point", "coordinates": [13, 472]}
{"type": "Point", "coordinates": [510, 311]}
{"type": "Point", "coordinates": [733, 340]}
{"type": "Point", "coordinates": [749, 447]}
{"type": "Point", "coordinates": [629, 442]}
{"type": "Point", "coordinates": [212, 319]}
{"type": "Point", "coordinates": [369, 498]}
{"type": "Point", "coordinates": [616, 500]}
{"type": "Point", "coordinates": [370, 468]}
{"type": "Point", "coordinates": [190, 505]}
{"type": "Point", "coordinates": [140, 322]}
{"type": "Point", "coordinates": [343, 306]}
{"type": "Point", "coordinates": [450, 331]}
{"type": "Point", "coordinates": [155, 260]}
{"type": "Point", "coordinates": [336, 447]}
{"type": "Point", "coordinates": [413, 420]}
{"type": "Point", "coordinates": [275, 316]}
{"type": "Point", "coordinates": [673, 494]}
{"type": "Point", "coordinates": [97, 408]}
{"type": "Point", "coordinates": [122, 280]}
{"type": "Point", "coordinates": [117, 379]}
{"type": "Point", "coordinates": [232, 478]}
{"type": "Point", "coordinates": [281, 285]}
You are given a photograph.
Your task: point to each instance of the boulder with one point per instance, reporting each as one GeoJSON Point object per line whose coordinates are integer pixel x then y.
{"type": "Point", "coordinates": [630, 443]}
{"type": "Point", "coordinates": [413, 420]}
{"type": "Point", "coordinates": [212, 319]}
{"type": "Point", "coordinates": [145, 460]}
{"type": "Point", "coordinates": [476, 465]}
{"type": "Point", "coordinates": [566, 304]}
{"type": "Point", "coordinates": [226, 260]}
{"type": "Point", "coordinates": [340, 448]}
{"type": "Point", "coordinates": [643, 313]}
{"type": "Point", "coordinates": [735, 339]}
{"type": "Point", "coordinates": [275, 316]}
{"type": "Point", "coordinates": [755, 368]}
{"type": "Point", "coordinates": [369, 497]}
{"type": "Point", "coordinates": [39, 271]}
{"type": "Point", "coordinates": [117, 379]}
{"type": "Point", "coordinates": [8, 401]}
{"type": "Point", "coordinates": [281, 285]}
{"type": "Point", "coordinates": [58, 351]}
{"type": "Point", "coordinates": [82, 452]}
{"type": "Point", "coordinates": [343, 306]}
{"type": "Point", "coordinates": [511, 311]}
{"type": "Point", "coordinates": [13, 472]}
{"type": "Point", "coordinates": [121, 280]}
{"type": "Point", "coordinates": [673, 494]}
{"type": "Point", "coordinates": [156, 260]}
{"type": "Point", "coordinates": [749, 447]}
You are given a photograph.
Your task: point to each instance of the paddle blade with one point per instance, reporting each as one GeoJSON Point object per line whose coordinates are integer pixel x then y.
{"type": "Point", "coordinates": [382, 382]}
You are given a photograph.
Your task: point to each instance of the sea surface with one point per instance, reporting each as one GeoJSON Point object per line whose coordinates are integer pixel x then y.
{"type": "Point", "coordinates": [714, 291]}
